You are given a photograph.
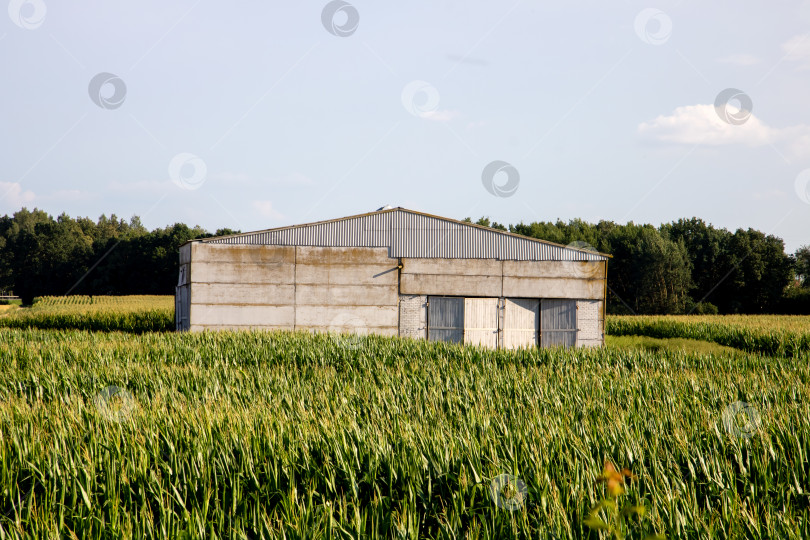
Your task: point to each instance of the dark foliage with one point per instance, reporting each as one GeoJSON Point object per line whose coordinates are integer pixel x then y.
{"type": "Point", "coordinates": [686, 266]}
{"type": "Point", "coordinates": [41, 256]}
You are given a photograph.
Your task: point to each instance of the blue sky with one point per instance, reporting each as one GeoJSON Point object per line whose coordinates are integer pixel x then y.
{"type": "Point", "coordinates": [253, 115]}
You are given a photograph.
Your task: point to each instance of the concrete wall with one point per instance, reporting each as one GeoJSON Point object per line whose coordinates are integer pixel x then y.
{"type": "Point", "coordinates": [293, 288]}
{"type": "Point", "coordinates": [590, 323]}
{"type": "Point", "coordinates": [518, 279]}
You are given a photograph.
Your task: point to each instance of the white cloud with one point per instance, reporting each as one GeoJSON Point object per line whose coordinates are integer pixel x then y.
{"type": "Point", "coordinates": [265, 208]}
{"type": "Point", "coordinates": [740, 59]}
{"type": "Point", "coordinates": [700, 124]}
{"type": "Point", "coordinates": [12, 194]}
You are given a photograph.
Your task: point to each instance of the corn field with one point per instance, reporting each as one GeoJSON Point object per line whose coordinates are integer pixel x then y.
{"type": "Point", "coordinates": [98, 313]}
{"type": "Point", "coordinates": [292, 435]}
{"type": "Point", "coordinates": [101, 303]}
{"type": "Point", "coordinates": [782, 335]}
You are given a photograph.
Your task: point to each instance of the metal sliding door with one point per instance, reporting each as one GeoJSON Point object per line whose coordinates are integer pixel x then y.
{"type": "Point", "coordinates": [446, 318]}
{"type": "Point", "coordinates": [559, 323]}
{"type": "Point", "coordinates": [521, 322]}
{"type": "Point", "coordinates": [181, 308]}
{"type": "Point", "coordinates": [481, 322]}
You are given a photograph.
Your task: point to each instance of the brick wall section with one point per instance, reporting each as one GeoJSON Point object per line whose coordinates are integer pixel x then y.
{"type": "Point", "coordinates": [590, 323]}
{"type": "Point", "coordinates": [413, 316]}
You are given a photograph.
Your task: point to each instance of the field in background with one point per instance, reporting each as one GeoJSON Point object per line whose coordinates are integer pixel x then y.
{"type": "Point", "coordinates": [101, 313]}
{"type": "Point", "coordinates": [102, 303]}
{"type": "Point", "coordinates": [779, 335]}
{"type": "Point", "coordinates": [674, 344]}
{"type": "Point", "coordinates": [782, 335]}
{"type": "Point", "coordinates": [759, 323]}
{"type": "Point", "coordinates": [272, 434]}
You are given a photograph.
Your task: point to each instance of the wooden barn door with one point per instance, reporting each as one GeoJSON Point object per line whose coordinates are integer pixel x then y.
{"type": "Point", "coordinates": [559, 323]}
{"type": "Point", "coordinates": [521, 322]}
{"type": "Point", "coordinates": [481, 322]}
{"type": "Point", "coordinates": [446, 318]}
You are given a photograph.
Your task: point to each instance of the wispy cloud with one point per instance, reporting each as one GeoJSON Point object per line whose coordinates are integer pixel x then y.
{"type": "Point", "coordinates": [440, 115]}
{"type": "Point", "coordinates": [797, 49]}
{"type": "Point", "coordinates": [265, 209]}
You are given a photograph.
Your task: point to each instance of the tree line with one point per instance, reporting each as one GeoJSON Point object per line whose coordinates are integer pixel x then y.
{"type": "Point", "coordinates": [686, 266]}
{"type": "Point", "coordinates": [40, 255]}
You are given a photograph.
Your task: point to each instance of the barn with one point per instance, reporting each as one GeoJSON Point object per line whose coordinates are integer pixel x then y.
{"type": "Point", "coordinates": [396, 272]}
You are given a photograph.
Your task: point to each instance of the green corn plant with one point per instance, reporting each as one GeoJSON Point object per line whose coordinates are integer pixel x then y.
{"type": "Point", "coordinates": [296, 435]}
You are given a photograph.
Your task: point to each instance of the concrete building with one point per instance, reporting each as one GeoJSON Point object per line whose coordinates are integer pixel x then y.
{"type": "Point", "coordinates": [396, 272]}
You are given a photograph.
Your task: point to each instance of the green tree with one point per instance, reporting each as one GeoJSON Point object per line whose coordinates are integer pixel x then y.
{"type": "Point", "coordinates": [705, 247]}
{"type": "Point", "coordinates": [802, 265]}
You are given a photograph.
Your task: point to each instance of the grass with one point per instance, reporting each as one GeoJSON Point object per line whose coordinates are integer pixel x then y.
{"type": "Point", "coordinates": [295, 435]}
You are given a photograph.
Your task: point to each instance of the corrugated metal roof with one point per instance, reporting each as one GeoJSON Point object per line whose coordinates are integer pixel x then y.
{"type": "Point", "coordinates": [410, 234]}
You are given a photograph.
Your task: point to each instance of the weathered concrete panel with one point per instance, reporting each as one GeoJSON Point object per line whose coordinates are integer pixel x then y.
{"type": "Point", "coordinates": [223, 272]}
{"type": "Point", "coordinates": [217, 327]}
{"type": "Point", "coordinates": [244, 293]}
{"type": "Point", "coordinates": [553, 288]}
{"type": "Point", "coordinates": [226, 315]}
{"type": "Point", "coordinates": [353, 331]}
{"type": "Point", "coordinates": [346, 295]}
{"type": "Point", "coordinates": [454, 267]}
{"type": "Point", "coordinates": [448, 285]}
{"type": "Point", "coordinates": [346, 274]}
{"type": "Point", "coordinates": [343, 255]}
{"type": "Point", "coordinates": [245, 254]}
{"type": "Point", "coordinates": [346, 317]}
{"type": "Point", "coordinates": [555, 269]}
